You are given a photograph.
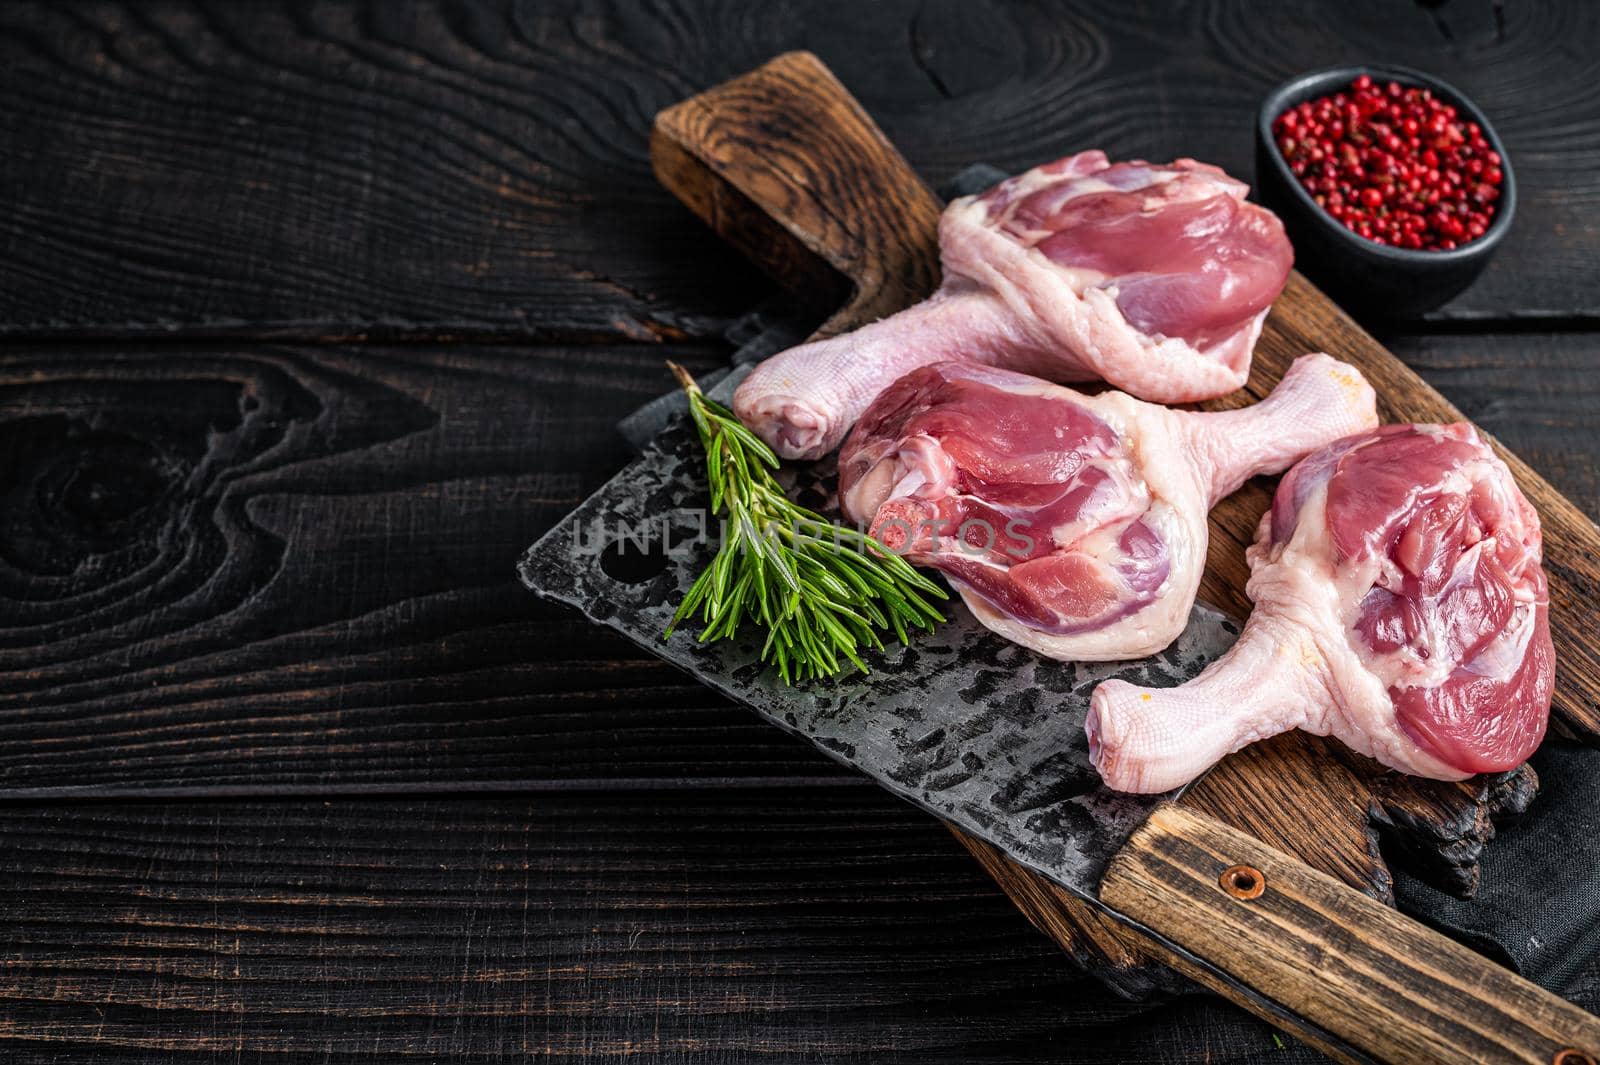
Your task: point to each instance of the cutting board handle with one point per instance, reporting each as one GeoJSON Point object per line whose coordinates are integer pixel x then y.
{"type": "Point", "coordinates": [1356, 969]}
{"type": "Point", "coordinates": [786, 166]}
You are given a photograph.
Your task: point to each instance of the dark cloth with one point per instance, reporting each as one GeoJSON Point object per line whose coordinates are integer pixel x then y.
{"type": "Point", "coordinates": [1537, 910]}
{"type": "Point", "coordinates": [1538, 903]}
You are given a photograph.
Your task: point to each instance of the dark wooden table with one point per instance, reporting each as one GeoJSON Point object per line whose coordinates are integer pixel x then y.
{"type": "Point", "coordinates": [313, 315]}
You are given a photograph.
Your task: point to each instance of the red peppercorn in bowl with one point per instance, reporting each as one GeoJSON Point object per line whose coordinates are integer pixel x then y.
{"type": "Point", "coordinates": [1394, 163]}
{"type": "Point", "coordinates": [1393, 186]}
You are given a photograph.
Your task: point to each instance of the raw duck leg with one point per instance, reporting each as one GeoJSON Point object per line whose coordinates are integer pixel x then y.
{"type": "Point", "coordinates": [1399, 606]}
{"type": "Point", "coordinates": [1073, 524]}
{"type": "Point", "coordinates": [1154, 278]}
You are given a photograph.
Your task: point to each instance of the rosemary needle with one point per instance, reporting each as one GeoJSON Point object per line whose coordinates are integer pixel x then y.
{"type": "Point", "coordinates": [823, 592]}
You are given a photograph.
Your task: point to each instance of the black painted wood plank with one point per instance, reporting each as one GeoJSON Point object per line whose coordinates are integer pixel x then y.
{"type": "Point", "coordinates": [260, 567]}
{"type": "Point", "coordinates": [343, 168]}
{"type": "Point", "coordinates": [246, 565]}
{"type": "Point", "coordinates": [823, 925]}
{"type": "Point", "coordinates": [478, 167]}
{"type": "Point", "coordinates": [1534, 391]}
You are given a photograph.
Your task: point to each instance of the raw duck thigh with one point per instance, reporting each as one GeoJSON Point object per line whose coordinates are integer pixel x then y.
{"type": "Point", "coordinates": [1399, 606]}
{"type": "Point", "coordinates": [1155, 278]}
{"type": "Point", "coordinates": [1073, 524]}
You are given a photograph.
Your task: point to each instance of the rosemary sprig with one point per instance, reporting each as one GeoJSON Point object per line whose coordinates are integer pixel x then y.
{"type": "Point", "coordinates": [823, 592]}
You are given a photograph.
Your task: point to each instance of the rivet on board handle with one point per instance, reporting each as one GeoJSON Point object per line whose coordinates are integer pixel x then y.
{"type": "Point", "coordinates": [1248, 882]}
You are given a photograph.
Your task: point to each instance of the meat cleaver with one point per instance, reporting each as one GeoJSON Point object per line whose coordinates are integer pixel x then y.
{"type": "Point", "coordinates": [980, 732]}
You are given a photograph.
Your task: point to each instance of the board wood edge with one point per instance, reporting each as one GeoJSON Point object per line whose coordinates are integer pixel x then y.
{"type": "Point", "coordinates": [883, 242]}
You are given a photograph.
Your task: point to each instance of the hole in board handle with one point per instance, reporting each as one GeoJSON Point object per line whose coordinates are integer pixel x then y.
{"type": "Point", "coordinates": [1248, 882]}
{"type": "Point", "coordinates": [1572, 1056]}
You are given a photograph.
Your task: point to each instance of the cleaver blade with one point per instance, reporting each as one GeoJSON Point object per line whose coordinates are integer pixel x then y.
{"type": "Point", "coordinates": [972, 728]}
{"type": "Point", "coordinates": [989, 737]}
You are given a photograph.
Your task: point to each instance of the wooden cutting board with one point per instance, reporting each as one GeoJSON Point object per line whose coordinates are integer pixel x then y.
{"type": "Point", "coordinates": [789, 169]}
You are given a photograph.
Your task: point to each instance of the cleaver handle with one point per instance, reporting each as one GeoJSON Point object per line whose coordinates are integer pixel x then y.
{"type": "Point", "coordinates": [785, 165]}
{"type": "Point", "coordinates": [1347, 964]}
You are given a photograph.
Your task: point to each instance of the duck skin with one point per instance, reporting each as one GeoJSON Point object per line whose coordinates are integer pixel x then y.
{"type": "Point", "coordinates": [1400, 606]}
{"type": "Point", "coordinates": [1155, 278]}
{"type": "Point", "coordinates": [1073, 524]}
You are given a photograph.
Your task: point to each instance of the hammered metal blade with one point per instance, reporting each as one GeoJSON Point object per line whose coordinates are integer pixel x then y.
{"type": "Point", "coordinates": [977, 730]}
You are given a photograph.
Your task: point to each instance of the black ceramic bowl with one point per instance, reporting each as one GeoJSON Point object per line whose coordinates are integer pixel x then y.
{"type": "Point", "coordinates": [1370, 278]}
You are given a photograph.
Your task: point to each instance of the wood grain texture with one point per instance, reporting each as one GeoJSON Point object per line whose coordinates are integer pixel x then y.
{"type": "Point", "coordinates": [271, 567]}
{"type": "Point", "coordinates": [1299, 793]}
{"type": "Point", "coordinates": [1381, 982]}
{"type": "Point", "coordinates": [1352, 804]}
{"type": "Point", "coordinates": [1535, 392]}
{"type": "Point", "coordinates": [348, 169]}
{"type": "Point", "coordinates": [479, 166]}
{"type": "Point", "coordinates": [720, 926]}
{"type": "Point", "coordinates": [810, 159]}
{"type": "Point", "coordinates": [345, 521]}
{"type": "Point", "coordinates": [1341, 814]}
{"type": "Point", "coordinates": [1304, 320]}
{"type": "Point", "coordinates": [1128, 962]}
{"type": "Point", "coordinates": [1441, 830]}
{"type": "Point", "coordinates": [335, 169]}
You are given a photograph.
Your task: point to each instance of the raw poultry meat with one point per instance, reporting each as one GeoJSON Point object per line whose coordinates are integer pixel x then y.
{"type": "Point", "coordinates": [1399, 606]}
{"type": "Point", "coordinates": [1154, 278]}
{"type": "Point", "coordinates": [1073, 524]}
